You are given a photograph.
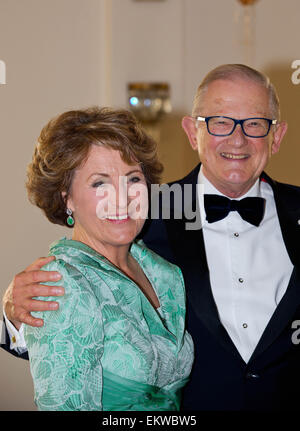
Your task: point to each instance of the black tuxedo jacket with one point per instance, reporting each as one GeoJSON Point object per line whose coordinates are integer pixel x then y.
{"type": "Point", "coordinates": [220, 378]}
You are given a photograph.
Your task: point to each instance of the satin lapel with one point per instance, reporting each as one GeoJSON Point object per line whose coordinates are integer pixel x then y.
{"type": "Point", "coordinates": [189, 251]}
{"type": "Point", "coordinates": [282, 316]}
{"type": "Point", "coordinates": [288, 212]}
{"type": "Point", "coordinates": [287, 199]}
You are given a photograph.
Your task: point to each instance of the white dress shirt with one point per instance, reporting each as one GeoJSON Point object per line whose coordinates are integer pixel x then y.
{"type": "Point", "coordinates": [17, 340]}
{"type": "Point", "coordinates": [249, 267]}
{"type": "Point", "coordinates": [249, 270]}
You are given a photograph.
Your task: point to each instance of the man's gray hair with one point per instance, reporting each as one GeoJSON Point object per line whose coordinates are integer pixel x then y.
{"type": "Point", "coordinates": [232, 72]}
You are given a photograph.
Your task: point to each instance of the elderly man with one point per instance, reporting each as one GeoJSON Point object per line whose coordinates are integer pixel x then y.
{"type": "Point", "coordinates": [241, 268]}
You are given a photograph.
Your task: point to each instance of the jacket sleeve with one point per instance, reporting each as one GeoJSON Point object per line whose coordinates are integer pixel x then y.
{"type": "Point", "coordinates": [5, 343]}
{"type": "Point", "coordinates": [65, 354]}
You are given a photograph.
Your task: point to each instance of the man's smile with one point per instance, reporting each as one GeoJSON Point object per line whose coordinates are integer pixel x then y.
{"type": "Point", "coordinates": [234, 156]}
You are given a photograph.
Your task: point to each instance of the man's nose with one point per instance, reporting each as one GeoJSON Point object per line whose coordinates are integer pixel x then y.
{"type": "Point", "coordinates": [238, 137]}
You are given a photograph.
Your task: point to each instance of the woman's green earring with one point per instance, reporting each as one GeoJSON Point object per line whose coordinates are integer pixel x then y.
{"type": "Point", "coordinates": [70, 220]}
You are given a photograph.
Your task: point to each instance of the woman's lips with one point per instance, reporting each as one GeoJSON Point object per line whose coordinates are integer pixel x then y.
{"type": "Point", "coordinates": [118, 218]}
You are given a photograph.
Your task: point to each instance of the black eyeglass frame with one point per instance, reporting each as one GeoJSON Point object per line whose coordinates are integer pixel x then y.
{"type": "Point", "coordinates": [241, 122]}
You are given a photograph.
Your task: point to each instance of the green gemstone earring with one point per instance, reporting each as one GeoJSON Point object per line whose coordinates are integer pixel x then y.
{"type": "Point", "coordinates": [70, 220]}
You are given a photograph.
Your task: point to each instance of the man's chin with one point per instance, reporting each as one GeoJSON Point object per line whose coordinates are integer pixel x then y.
{"type": "Point", "coordinates": [234, 185]}
{"type": "Point", "coordinates": [237, 177]}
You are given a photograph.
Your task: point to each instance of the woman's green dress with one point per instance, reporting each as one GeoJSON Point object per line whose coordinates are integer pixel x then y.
{"type": "Point", "coordinates": [107, 348]}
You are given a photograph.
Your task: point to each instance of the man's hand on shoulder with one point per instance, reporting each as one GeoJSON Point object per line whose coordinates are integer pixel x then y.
{"type": "Point", "coordinates": [18, 299]}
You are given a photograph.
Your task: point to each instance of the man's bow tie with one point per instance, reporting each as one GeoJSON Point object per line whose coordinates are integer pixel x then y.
{"type": "Point", "coordinates": [250, 209]}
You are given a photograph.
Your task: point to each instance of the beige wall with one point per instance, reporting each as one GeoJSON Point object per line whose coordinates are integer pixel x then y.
{"type": "Point", "coordinates": [181, 40]}
{"type": "Point", "coordinates": [63, 54]}
{"type": "Point", "coordinates": [52, 55]}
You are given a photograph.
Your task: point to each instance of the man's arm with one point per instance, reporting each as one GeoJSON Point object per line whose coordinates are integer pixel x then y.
{"type": "Point", "coordinates": [18, 299]}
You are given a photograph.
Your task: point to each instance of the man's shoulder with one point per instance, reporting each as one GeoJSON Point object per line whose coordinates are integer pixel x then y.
{"type": "Point", "coordinates": [289, 188]}
{"type": "Point", "coordinates": [190, 178]}
{"type": "Point", "coordinates": [281, 187]}
{"type": "Point", "coordinates": [285, 194]}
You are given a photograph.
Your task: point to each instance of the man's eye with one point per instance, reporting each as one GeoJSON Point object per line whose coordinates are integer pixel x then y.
{"type": "Point", "coordinates": [221, 122]}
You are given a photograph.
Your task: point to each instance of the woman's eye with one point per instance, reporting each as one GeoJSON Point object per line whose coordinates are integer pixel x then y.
{"type": "Point", "coordinates": [134, 179]}
{"type": "Point", "coordinates": [97, 184]}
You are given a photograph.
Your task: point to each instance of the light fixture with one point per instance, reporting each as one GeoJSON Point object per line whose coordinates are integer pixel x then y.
{"type": "Point", "coordinates": [149, 100]}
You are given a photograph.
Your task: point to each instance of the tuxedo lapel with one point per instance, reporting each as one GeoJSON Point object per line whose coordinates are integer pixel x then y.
{"type": "Point", "coordinates": [289, 215]}
{"type": "Point", "coordinates": [282, 316]}
{"type": "Point", "coordinates": [189, 251]}
{"type": "Point", "coordinates": [288, 210]}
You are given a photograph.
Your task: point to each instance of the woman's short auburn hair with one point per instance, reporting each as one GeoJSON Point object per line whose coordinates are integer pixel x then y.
{"type": "Point", "coordinates": [64, 145]}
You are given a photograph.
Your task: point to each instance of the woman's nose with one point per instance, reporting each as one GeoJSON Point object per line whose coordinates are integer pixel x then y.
{"type": "Point", "coordinates": [122, 193]}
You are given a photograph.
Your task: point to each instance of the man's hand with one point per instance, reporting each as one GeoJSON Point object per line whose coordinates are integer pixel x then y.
{"type": "Point", "coordinates": [18, 301]}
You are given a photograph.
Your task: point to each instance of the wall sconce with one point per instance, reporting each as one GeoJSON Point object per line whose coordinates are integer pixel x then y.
{"type": "Point", "coordinates": [149, 100]}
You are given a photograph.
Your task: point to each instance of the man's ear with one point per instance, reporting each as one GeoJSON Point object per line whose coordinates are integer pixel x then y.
{"type": "Point", "coordinates": [188, 124]}
{"type": "Point", "coordinates": [278, 135]}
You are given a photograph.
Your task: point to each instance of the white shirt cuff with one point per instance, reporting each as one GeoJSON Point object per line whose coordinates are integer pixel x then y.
{"type": "Point", "coordinates": [17, 340]}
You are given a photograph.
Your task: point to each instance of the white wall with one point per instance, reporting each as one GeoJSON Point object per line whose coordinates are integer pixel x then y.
{"type": "Point", "coordinates": [64, 54]}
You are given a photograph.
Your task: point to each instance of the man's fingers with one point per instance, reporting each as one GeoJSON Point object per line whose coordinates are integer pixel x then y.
{"type": "Point", "coordinates": [25, 278]}
{"type": "Point", "coordinates": [42, 290]}
{"type": "Point", "coordinates": [30, 320]}
{"type": "Point", "coordinates": [24, 316]}
{"type": "Point", "coordinates": [37, 305]}
{"type": "Point", "coordinates": [37, 264]}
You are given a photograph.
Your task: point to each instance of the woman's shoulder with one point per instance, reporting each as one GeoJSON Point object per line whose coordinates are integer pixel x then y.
{"type": "Point", "coordinates": [83, 269]}
{"type": "Point", "coordinates": [75, 258]}
{"type": "Point", "coordinates": [71, 276]}
{"type": "Point", "coordinates": [79, 296]}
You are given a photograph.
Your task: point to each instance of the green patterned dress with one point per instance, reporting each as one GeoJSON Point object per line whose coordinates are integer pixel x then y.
{"type": "Point", "coordinates": [107, 348]}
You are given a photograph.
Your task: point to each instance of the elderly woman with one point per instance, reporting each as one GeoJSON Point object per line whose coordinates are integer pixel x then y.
{"type": "Point", "coordinates": [118, 340]}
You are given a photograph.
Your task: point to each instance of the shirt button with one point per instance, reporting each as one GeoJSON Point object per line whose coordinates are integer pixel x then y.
{"type": "Point", "coordinates": [252, 376]}
{"type": "Point", "coordinates": [241, 280]}
{"type": "Point", "coordinates": [236, 234]}
{"type": "Point", "coordinates": [245, 325]}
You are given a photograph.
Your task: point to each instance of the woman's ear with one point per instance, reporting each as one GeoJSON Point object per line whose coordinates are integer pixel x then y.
{"type": "Point", "coordinates": [67, 200]}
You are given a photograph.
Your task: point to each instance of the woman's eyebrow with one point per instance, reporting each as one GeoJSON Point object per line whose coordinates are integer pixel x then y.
{"type": "Point", "coordinates": [133, 171]}
{"type": "Point", "coordinates": [98, 174]}
{"type": "Point", "coordinates": [102, 174]}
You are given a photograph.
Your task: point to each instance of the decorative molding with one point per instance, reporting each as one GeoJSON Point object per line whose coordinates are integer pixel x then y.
{"type": "Point", "coordinates": [2, 72]}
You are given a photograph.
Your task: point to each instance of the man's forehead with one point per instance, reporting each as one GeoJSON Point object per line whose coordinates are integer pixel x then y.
{"type": "Point", "coordinates": [231, 94]}
{"type": "Point", "coordinates": [229, 85]}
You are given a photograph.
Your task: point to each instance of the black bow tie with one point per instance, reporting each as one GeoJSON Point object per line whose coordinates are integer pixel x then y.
{"type": "Point", "coordinates": [250, 209]}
